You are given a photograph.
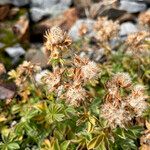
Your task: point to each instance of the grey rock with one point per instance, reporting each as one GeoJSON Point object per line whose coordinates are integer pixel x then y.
{"type": "Point", "coordinates": [127, 28]}
{"type": "Point", "coordinates": [37, 14]}
{"type": "Point", "coordinates": [57, 9]}
{"type": "Point", "coordinates": [3, 2]}
{"type": "Point", "coordinates": [37, 56]}
{"type": "Point", "coordinates": [6, 93]}
{"type": "Point", "coordinates": [66, 2]}
{"type": "Point", "coordinates": [74, 31]}
{"type": "Point", "coordinates": [15, 2]}
{"type": "Point", "coordinates": [90, 53]}
{"type": "Point", "coordinates": [114, 43]}
{"type": "Point", "coordinates": [98, 54]}
{"type": "Point", "coordinates": [113, 13]}
{"type": "Point", "coordinates": [146, 1]}
{"type": "Point", "coordinates": [39, 76]}
{"type": "Point", "coordinates": [15, 51]}
{"type": "Point", "coordinates": [2, 45]}
{"type": "Point", "coordinates": [41, 8]}
{"type": "Point", "coordinates": [20, 2]}
{"type": "Point", "coordinates": [132, 6]}
{"type": "Point", "coordinates": [93, 54]}
{"type": "Point", "coordinates": [43, 3]}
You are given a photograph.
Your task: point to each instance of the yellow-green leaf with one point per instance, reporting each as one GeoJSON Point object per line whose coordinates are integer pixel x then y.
{"type": "Point", "coordinates": [95, 142]}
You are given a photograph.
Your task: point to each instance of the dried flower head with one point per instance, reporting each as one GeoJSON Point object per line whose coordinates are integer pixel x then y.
{"type": "Point", "coordinates": [137, 100]}
{"type": "Point", "coordinates": [144, 18]}
{"type": "Point", "coordinates": [119, 108]}
{"type": "Point", "coordinates": [122, 79]}
{"type": "Point", "coordinates": [88, 69]}
{"type": "Point", "coordinates": [113, 94]}
{"type": "Point", "coordinates": [23, 77]}
{"type": "Point", "coordinates": [75, 95]}
{"type": "Point", "coordinates": [106, 29]}
{"type": "Point", "coordinates": [115, 116]}
{"type": "Point", "coordinates": [25, 70]}
{"type": "Point", "coordinates": [56, 39]}
{"type": "Point", "coordinates": [136, 43]}
{"type": "Point", "coordinates": [52, 80]}
{"type": "Point", "coordinates": [28, 68]}
{"type": "Point", "coordinates": [145, 139]}
{"type": "Point", "coordinates": [2, 69]}
{"type": "Point", "coordinates": [80, 61]}
{"type": "Point", "coordinates": [138, 90]}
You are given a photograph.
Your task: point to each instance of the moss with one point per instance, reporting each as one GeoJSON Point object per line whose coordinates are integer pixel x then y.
{"type": "Point", "coordinates": [8, 38]}
{"type": "Point", "coordinates": [5, 60]}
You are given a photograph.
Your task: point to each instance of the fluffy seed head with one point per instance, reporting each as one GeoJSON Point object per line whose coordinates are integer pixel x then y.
{"type": "Point", "coordinates": [113, 94]}
{"type": "Point", "coordinates": [144, 18]}
{"type": "Point", "coordinates": [115, 116]}
{"type": "Point", "coordinates": [75, 95]}
{"type": "Point", "coordinates": [136, 43]}
{"type": "Point", "coordinates": [106, 29]}
{"type": "Point", "coordinates": [52, 80]}
{"type": "Point", "coordinates": [138, 89]}
{"type": "Point", "coordinates": [90, 70]}
{"type": "Point", "coordinates": [137, 100]}
{"type": "Point", "coordinates": [122, 79]}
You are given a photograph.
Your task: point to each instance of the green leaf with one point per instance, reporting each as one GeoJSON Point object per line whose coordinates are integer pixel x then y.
{"type": "Point", "coordinates": [102, 146]}
{"type": "Point", "coordinates": [15, 109]}
{"type": "Point", "coordinates": [58, 135]}
{"type": "Point", "coordinates": [54, 113]}
{"type": "Point", "coordinates": [70, 111]}
{"type": "Point", "coordinates": [13, 146]}
{"type": "Point", "coordinates": [95, 142]}
{"type": "Point", "coordinates": [120, 133]}
{"type": "Point", "coordinates": [56, 145]}
{"type": "Point", "coordinates": [20, 127]}
{"type": "Point", "coordinates": [64, 145]}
